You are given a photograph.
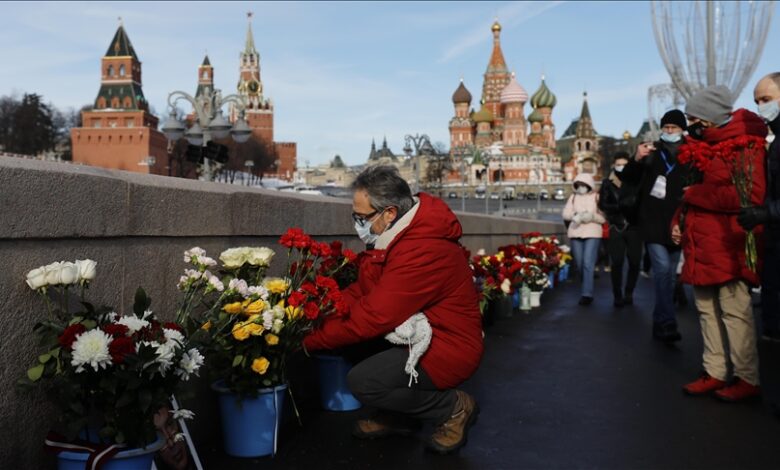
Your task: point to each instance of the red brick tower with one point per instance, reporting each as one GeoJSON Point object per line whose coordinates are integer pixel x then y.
{"type": "Point", "coordinates": [119, 132]}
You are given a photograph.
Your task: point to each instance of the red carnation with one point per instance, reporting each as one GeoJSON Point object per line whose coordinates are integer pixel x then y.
{"type": "Point", "coordinates": [312, 310]}
{"type": "Point", "coordinates": [335, 248]}
{"type": "Point", "coordinates": [173, 326]}
{"type": "Point", "coordinates": [116, 330]}
{"type": "Point", "coordinates": [296, 299]}
{"type": "Point", "coordinates": [350, 255]}
{"type": "Point", "coordinates": [326, 282]}
{"type": "Point", "coordinates": [120, 348]}
{"type": "Point", "coordinates": [68, 336]}
{"type": "Point", "coordinates": [310, 289]}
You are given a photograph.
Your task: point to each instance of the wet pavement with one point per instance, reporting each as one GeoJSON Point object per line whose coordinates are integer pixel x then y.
{"type": "Point", "coordinates": [565, 387]}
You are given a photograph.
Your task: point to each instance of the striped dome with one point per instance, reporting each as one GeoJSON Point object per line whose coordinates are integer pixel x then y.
{"type": "Point", "coordinates": [513, 92]}
{"type": "Point", "coordinates": [543, 98]}
{"type": "Point", "coordinates": [535, 116]}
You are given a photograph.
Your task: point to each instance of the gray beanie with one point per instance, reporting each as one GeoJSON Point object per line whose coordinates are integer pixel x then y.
{"type": "Point", "coordinates": [713, 104]}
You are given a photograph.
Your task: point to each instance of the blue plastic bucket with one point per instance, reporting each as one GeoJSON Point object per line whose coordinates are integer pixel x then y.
{"type": "Point", "coordinates": [130, 459]}
{"type": "Point", "coordinates": [551, 280]}
{"type": "Point", "coordinates": [250, 427]}
{"type": "Point", "coordinates": [516, 299]}
{"type": "Point", "coordinates": [334, 392]}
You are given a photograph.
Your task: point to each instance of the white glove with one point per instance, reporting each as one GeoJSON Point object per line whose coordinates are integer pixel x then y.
{"type": "Point", "coordinates": [586, 217]}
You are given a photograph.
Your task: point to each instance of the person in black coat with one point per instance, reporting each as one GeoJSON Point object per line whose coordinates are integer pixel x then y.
{"type": "Point", "coordinates": [767, 97]}
{"type": "Point", "coordinates": [660, 181]}
{"type": "Point", "coordinates": [624, 240]}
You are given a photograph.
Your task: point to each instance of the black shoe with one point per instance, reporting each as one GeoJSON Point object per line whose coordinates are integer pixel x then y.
{"type": "Point", "coordinates": [667, 333]}
{"type": "Point", "coordinates": [619, 303]}
{"type": "Point", "coordinates": [585, 300]}
{"type": "Point", "coordinates": [628, 299]}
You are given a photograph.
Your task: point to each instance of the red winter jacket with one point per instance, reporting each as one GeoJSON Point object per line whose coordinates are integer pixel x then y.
{"type": "Point", "coordinates": [423, 269]}
{"type": "Point", "coordinates": [713, 242]}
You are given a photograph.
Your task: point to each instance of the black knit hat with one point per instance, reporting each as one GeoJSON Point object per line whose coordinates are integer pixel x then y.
{"type": "Point", "coordinates": [675, 117]}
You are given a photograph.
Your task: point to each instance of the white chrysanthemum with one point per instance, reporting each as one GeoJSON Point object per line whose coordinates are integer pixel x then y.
{"type": "Point", "coordinates": [110, 317]}
{"type": "Point", "coordinates": [174, 336]}
{"type": "Point", "coordinates": [182, 414]}
{"type": "Point", "coordinates": [147, 314]}
{"type": "Point", "coordinates": [260, 291]}
{"type": "Point", "coordinates": [190, 364]}
{"type": "Point", "coordinates": [193, 252]}
{"type": "Point", "coordinates": [91, 348]}
{"type": "Point", "coordinates": [277, 326]}
{"type": "Point", "coordinates": [164, 353]}
{"type": "Point", "coordinates": [133, 323]}
{"type": "Point", "coordinates": [178, 437]}
{"type": "Point", "coordinates": [268, 319]}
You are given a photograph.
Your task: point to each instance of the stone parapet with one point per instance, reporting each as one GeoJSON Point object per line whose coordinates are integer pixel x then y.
{"type": "Point", "coordinates": [136, 227]}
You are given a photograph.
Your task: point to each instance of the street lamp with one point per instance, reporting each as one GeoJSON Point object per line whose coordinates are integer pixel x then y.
{"type": "Point", "coordinates": [466, 154]}
{"type": "Point", "coordinates": [210, 123]}
{"type": "Point", "coordinates": [249, 164]}
{"type": "Point", "coordinates": [422, 145]}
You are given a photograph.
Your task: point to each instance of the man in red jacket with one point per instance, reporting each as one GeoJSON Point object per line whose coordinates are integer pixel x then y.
{"type": "Point", "coordinates": [414, 263]}
{"type": "Point", "coordinates": [714, 243]}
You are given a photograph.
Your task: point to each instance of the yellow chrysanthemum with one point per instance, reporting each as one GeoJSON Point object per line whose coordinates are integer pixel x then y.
{"type": "Point", "coordinates": [276, 285]}
{"type": "Point", "coordinates": [260, 365]}
{"type": "Point", "coordinates": [271, 339]}
{"type": "Point", "coordinates": [240, 332]}
{"type": "Point", "coordinates": [234, 308]}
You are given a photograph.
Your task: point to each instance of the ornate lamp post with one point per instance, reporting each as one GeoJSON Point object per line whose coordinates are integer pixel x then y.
{"type": "Point", "coordinates": [422, 146]}
{"type": "Point", "coordinates": [466, 155]}
{"type": "Point", "coordinates": [210, 124]}
{"type": "Point", "coordinates": [249, 164]}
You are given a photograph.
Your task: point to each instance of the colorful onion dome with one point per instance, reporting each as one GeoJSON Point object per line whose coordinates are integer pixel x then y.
{"type": "Point", "coordinates": [543, 98]}
{"type": "Point", "coordinates": [483, 115]}
{"type": "Point", "coordinates": [513, 92]}
{"type": "Point", "coordinates": [462, 94]}
{"type": "Point", "coordinates": [535, 116]}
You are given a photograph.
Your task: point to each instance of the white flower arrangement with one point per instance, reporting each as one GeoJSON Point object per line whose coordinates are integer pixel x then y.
{"type": "Point", "coordinates": [62, 273]}
{"type": "Point", "coordinates": [91, 349]}
{"type": "Point", "coordinates": [234, 258]}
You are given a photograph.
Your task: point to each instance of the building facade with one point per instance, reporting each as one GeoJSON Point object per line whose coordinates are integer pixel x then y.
{"type": "Point", "coordinates": [503, 146]}
{"type": "Point", "coordinates": [119, 132]}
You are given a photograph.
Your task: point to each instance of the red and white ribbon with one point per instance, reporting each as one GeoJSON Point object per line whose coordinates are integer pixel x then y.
{"type": "Point", "coordinates": [99, 454]}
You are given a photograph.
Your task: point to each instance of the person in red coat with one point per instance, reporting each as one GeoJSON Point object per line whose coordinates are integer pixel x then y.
{"type": "Point", "coordinates": [414, 263]}
{"type": "Point", "coordinates": [714, 245]}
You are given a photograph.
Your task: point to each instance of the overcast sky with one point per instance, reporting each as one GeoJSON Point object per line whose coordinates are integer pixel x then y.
{"type": "Point", "coordinates": [342, 73]}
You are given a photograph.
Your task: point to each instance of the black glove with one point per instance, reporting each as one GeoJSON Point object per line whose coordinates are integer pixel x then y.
{"type": "Point", "coordinates": [749, 217]}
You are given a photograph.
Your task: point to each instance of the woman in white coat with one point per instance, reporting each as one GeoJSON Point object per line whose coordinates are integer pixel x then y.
{"type": "Point", "coordinates": [584, 230]}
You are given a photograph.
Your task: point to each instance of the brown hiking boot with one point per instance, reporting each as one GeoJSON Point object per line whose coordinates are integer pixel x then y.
{"type": "Point", "coordinates": [383, 425]}
{"type": "Point", "coordinates": [452, 434]}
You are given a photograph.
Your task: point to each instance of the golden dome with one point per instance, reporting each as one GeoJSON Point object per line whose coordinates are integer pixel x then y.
{"type": "Point", "coordinates": [496, 27]}
{"type": "Point", "coordinates": [626, 135]}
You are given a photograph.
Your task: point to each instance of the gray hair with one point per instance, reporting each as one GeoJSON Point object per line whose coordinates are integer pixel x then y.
{"type": "Point", "coordinates": [385, 188]}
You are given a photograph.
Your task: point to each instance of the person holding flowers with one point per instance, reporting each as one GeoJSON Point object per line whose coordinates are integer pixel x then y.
{"type": "Point", "coordinates": [721, 258]}
{"type": "Point", "coordinates": [414, 265]}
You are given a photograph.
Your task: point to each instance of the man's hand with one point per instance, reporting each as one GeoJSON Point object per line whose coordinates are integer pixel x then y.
{"type": "Point", "coordinates": [676, 234]}
{"type": "Point", "coordinates": [644, 149]}
{"type": "Point", "coordinates": [751, 216]}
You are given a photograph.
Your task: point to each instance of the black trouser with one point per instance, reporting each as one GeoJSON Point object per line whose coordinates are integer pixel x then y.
{"type": "Point", "coordinates": [624, 244]}
{"type": "Point", "coordinates": [380, 382]}
{"type": "Point", "coordinates": [770, 287]}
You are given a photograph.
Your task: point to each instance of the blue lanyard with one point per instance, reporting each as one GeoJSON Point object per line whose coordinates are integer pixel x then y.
{"type": "Point", "coordinates": [669, 168]}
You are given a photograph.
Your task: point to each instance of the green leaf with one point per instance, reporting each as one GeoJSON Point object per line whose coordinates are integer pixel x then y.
{"type": "Point", "coordinates": [55, 352]}
{"type": "Point", "coordinates": [124, 400]}
{"type": "Point", "coordinates": [142, 302]}
{"type": "Point", "coordinates": [35, 373]}
{"type": "Point", "coordinates": [89, 324]}
{"type": "Point", "coordinates": [237, 360]}
{"type": "Point", "coordinates": [44, 358]}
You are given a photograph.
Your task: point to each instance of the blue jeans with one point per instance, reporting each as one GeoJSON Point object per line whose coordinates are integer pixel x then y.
{"type": "Point", "coordinates": [585, 251]}
{"type": "Point", "coordinates": [664, 264]}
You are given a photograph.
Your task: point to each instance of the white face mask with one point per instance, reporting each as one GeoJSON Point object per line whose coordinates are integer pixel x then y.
{"type": "Point", "coordinates": [364, 231]}
{"type": "Point", "coordinates": [619, 168]}
{"type": "Point", "coordinates": [769, 111]}
{"type": "Point", "coordinates": [582, 190]}
{"type": "Point", "coordinates": [671, 138]}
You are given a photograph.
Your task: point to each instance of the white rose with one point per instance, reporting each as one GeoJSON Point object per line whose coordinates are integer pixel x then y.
{"type": "Point", "coordinates": [233, 257]}
{"type": "Point", "coordinates": [260, 256]}
{"type": "Point", "coordinates": [53, 273]}
{"type": "Point", "coordinates": [87, 269]}
{"type": "Point", "coordinates": [37, 278]}
{"type": "Point", "coordinates": [69, 273]}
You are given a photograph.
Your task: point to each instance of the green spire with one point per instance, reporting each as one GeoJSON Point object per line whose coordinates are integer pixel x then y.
{"type": "Point", "coordinates": [120, 45]}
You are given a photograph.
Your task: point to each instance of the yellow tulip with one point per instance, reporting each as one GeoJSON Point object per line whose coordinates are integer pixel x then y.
{"type": "Point", "coordinates": [260, 365]}
{"type": "Point", "coordinates": [293, 313]}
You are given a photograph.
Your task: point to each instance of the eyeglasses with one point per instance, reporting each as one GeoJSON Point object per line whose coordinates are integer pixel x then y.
{"type": "Point", "coordinates": [362, 219]}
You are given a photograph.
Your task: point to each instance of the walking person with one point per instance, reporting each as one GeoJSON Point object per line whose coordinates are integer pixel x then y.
{"type": "Point", "coordinates": [415, 274]}
{"type": "Point", "coordinates": [584, 231]}
{"type": "Point", "coordinates": [767, 97]}
{"type": "Point", "coordinates": [624, 239]}
{"type": "Point", "coordinates": [660, 181]}
{"type": "Point", "coordinates": [714, 245]}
